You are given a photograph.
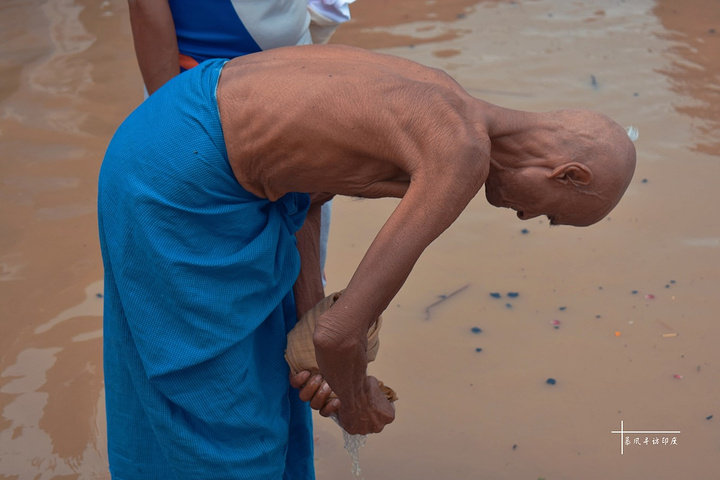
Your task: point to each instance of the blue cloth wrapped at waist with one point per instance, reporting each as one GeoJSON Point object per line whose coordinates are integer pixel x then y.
{"type": "Point", "coordinates": [198, 277]}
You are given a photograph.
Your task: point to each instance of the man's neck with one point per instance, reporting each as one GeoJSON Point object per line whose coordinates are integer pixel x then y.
{"type": "Point", "coordinates": [519, 138]}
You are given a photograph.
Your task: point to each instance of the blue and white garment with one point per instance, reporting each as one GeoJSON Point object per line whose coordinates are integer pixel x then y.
{"type": "Point", "coordinates": [232, 28]}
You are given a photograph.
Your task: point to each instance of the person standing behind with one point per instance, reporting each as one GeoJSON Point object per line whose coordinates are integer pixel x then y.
{"type": "Point", "coordinates": [171, 36]}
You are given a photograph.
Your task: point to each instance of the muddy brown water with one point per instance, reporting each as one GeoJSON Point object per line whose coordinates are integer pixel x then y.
{"type": "Point", "coordinates": [472, 405]}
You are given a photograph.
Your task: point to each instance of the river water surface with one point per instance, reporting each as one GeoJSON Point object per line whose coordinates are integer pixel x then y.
{"type": "Point", "coordinates": [624, 316]}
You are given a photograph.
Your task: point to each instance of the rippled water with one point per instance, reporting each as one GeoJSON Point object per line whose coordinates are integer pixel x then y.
{"type": "Point", "coordinates": [592, 304]}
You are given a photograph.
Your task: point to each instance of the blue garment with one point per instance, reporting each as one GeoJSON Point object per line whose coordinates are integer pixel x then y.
{"type": "Point", "coordinates": [198, 301]}
{"type": "Point", "coordinates": [232, 28]}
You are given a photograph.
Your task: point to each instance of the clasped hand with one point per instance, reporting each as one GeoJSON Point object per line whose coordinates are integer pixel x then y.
{"type": "Point", "coordinates": [370, 414]}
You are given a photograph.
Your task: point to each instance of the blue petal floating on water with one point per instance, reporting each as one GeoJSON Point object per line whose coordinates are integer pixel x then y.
{"type": "Point", "coordinates": [551, 381]}
{"type": "Point", "coordinates": [495, 295]}
{"type": "Point", "coordinates": [476, 329]}
{"type": "Point", "coordinates": [524, 231]}
{"type": "Point", "coordinates": [508, 305]}
{"type": "Point", "coordinates": [513, 294]}
{"type": "Point", "coordinates": [562, 308]}
{"type": "Point", "coordinates": [478, 349]}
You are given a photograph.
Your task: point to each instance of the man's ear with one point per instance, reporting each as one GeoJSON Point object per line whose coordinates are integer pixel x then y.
{"type": "Point", "coordinates": [573, 172]}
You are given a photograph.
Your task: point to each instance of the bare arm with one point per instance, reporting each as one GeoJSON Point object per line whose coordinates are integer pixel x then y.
{"type": "Point", "coordinates": [436, 197]}
{"type": "Point", "coordinates": [309, 291]}
{"type": "Point", "coordinates": [156, 46]}
{"type": "Point", "coordinates": [308, 286]}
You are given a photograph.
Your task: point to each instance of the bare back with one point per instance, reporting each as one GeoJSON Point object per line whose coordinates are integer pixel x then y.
{"type": "Point", "coordinates": [344, 121]}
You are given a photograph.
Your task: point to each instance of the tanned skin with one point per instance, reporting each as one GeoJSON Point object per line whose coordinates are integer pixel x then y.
{"type": "Point", "coordinates": [156, 46]}
{"type": "Point", "coordinates": [335, 120]}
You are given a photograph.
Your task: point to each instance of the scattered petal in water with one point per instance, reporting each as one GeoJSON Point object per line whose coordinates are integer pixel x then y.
{"type": "Point", "coordinates": [678, 377]}
{"type": "Point", "coordinates": [551, 381]}
{"type": "Point", "coordinates": [495, 295]}
{"type": "Point", "coordinates": [476, 329]}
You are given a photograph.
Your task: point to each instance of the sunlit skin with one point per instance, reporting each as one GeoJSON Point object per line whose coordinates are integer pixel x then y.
{"type": "Point", "coordinates": [333, 120]}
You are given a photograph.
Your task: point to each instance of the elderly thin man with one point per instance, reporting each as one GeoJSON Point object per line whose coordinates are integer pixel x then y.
{"type": "Point", "coordinates": [202, 196]}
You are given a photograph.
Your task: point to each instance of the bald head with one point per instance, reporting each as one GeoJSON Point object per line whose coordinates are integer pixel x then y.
{"type": "Point", "coordinates": [572, 166]}
{"type": "Point", "coordinates": [605, 149]}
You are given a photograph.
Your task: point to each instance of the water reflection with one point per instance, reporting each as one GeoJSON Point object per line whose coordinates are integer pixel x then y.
{"type": "Point", "coordinates": [411, 22]}
{"type": "Point", "coordinates": [52, 401]}
{"type": "Point", "coordinates": [64, 72]}
{"type": "Point", "coordinates": [68, 67]}
{"type": "Point", "coordinates": [29, 450]}
{"type": "Point", "coordinates": [91, 306]}
{"type": "Point", "coordinates": [693, 26]}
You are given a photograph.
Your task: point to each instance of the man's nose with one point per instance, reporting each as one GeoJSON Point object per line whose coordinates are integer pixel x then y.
{"type": "Point", "coordinates": [522, 215]}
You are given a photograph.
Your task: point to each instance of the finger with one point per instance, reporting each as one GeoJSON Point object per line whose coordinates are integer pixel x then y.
{"type": "Point", "coordinates": [311, 388]}
{"type": "Point", "coordinates": [331, 407]}
{"type": "Point", "coordinates": [297, 381]}
{"type": "Point", "coordinates": [321, 397]}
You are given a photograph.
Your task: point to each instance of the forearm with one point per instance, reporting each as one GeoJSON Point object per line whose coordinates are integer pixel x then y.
{"type": "Point", "coordinates": [427, 209]}
{"type": "Point", "coordinates": [155, 41]}
{"type": "Point", "coordinates": [341, 334]}
{"type": "Point", "coordinates": [308, 286]}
